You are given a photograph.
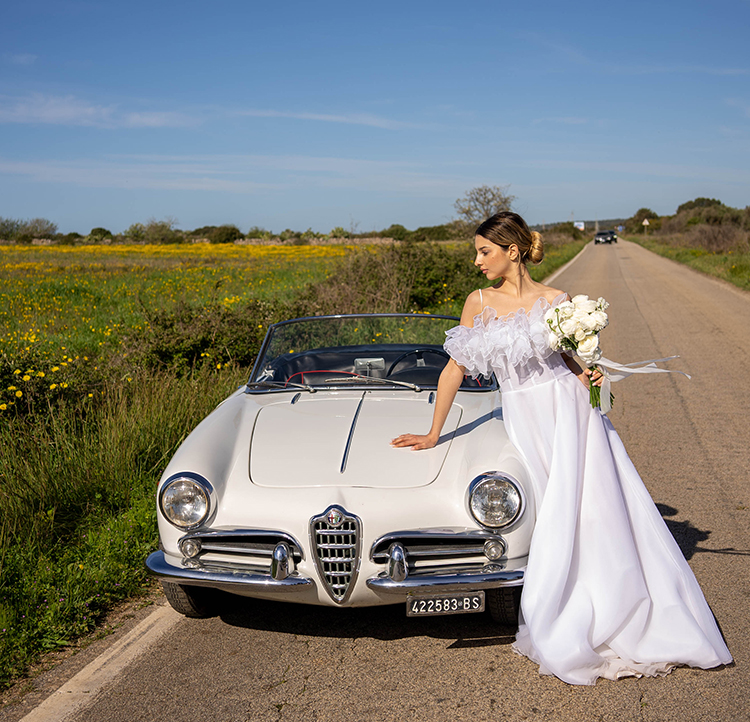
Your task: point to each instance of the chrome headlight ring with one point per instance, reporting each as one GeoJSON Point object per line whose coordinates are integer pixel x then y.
{"type": "Point", "coordinates": [186, 500]}
{"type": "Point", "coordinates": [496, 500]}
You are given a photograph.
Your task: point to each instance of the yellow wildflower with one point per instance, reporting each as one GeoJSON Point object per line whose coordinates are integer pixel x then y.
{"type": "Point", "coordinates": [19, 394]}
{"type": "Point", "coordinates": [26, 378]}
{"type": "Point", "coordinates": [53, 386]}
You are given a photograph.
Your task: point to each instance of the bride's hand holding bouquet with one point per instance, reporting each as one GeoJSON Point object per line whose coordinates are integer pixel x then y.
{"type": "Point", "coordinates": [574, 326]}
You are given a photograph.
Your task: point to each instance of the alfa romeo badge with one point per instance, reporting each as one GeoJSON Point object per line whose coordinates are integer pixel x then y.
{"type": "Point", "coordinates": [334, 517]}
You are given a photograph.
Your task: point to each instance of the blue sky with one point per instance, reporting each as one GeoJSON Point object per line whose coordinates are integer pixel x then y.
{"type": "Point", "coordinates": [361, 115]}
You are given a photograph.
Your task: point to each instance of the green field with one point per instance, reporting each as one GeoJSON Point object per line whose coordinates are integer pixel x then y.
{"type": "Point", "coordinates": [109, 356]}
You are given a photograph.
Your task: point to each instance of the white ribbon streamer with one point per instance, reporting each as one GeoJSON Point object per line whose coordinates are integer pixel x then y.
{"type": "Point", "coordinates": [613, 371]}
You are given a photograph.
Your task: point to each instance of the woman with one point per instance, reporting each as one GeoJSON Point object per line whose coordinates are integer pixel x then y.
{"type": "Point", "coordinates": [607, 592]}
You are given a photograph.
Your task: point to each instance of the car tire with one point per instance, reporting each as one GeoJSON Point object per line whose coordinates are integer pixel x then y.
{"type": "Point", "coordinates": [504, 604]}
{"type": "Point", "coordinates": [194, 602]}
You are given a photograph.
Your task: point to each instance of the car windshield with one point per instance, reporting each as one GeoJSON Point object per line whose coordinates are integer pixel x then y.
{"type": "Point", "coordinates": [397, 350]}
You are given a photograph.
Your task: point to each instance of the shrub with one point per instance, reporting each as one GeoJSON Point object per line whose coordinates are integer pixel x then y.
{"type": "Point", "coordinates": [225, 234]}
{"type": "Point", "coordinates": [445, 232]}
{"type": "Point", "coordinates": [718, 238]}
{"type": "Point", "coordinates": [98, 235]}
{"type": "Point", "coordinates": [634, 224]}
{"type": "Point", "coordinates": [162, 232]}
{"type": "Point", "coordinates": [398, 278]}
{"type": "Point", "coordinates": [565, 230]}
{"type": "Point", "coordinates": [395, 231]}
{"type": "Point", "coordinates": [136, 233]}
{"type": "Point", "coordinates": [338, 232]}
{"type": "Point", "coordinates": [12, 229]}
{"type": "Point", "coordinates": [699, 203]}
{"type": "Point", "coordinates": [68, 239]}
{"type": "Point", "coordinates": [186, 337]}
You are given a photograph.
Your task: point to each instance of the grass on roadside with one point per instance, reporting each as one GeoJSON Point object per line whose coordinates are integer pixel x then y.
{"type": "Point", "coordinates": [80, 495]}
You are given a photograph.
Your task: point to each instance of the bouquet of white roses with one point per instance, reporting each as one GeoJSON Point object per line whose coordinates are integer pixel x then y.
{"type": "Point", "coordinates": [574, 326]}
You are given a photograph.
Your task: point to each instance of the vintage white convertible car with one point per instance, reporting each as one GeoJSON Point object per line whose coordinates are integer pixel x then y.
{"type": "Point", "coordinates": [289, 490]}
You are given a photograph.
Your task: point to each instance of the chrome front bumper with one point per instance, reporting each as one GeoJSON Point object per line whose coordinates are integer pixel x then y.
{"type": "Point", "coordinates": [228, 579]}
{"type": "Point", "coordinates": [240, 581]}
{"type": "Point", "coordinates": [447, 581]}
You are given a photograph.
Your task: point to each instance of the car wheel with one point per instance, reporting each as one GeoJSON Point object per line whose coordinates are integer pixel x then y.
{"type": "Point", "coordinates": [195, 602]}
{"type": "Point", "coordinates": [504, 604]}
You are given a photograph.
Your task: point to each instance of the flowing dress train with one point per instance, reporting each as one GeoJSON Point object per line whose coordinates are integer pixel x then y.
{"type": "Point", "coordinates": [607, 591]}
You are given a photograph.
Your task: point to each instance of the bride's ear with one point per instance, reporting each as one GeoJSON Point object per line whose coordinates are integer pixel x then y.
{"type": "Point", "coordinates": [513, 253]}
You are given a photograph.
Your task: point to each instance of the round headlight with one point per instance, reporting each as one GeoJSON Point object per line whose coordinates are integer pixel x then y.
{"type": "Point", "coordinates": [185, 501]}
{"type": "Point", "coordinates": [495, 500]}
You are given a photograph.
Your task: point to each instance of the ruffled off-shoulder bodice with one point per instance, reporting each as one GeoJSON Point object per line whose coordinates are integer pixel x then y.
{"type": "Point", "coordinates": [515, 347]}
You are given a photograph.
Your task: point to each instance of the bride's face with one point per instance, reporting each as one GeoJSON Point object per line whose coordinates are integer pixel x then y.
{"type": "Point", "coordinates": [493, 260]}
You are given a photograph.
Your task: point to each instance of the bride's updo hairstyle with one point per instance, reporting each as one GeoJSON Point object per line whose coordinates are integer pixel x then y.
{"type": "Point", "coordinates": [506, 229]}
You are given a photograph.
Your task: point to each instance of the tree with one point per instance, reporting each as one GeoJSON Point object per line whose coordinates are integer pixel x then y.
{"type": "Point", "coordinates": [635, 223]}
{"type": "Point", "coordinates": [136, 233]}
{"type": "Point", "coordinates": [482, 202]}
{"type": "Point", "coordinates": [699, 203]}
{"type": "Point", "coordinates": [40, 228]}
{"type": "Point", "coordinates": [10, 228]}
{"type": "Point", "coordinates": [225, 234]}
{"type": "Point", "coordinates": [162, 231]}
{"type": "Point", "coordinates": [99, 234]}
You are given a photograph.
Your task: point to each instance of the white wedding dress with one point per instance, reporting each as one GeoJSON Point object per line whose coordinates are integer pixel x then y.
{"type": "Point", "coordinates": [607, 592]}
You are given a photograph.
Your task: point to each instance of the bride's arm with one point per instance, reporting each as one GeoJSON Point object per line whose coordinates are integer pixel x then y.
{"type": "Point", "coordinates": [450, 379]}
{"type": "Point", "coordinates": [583, 374]}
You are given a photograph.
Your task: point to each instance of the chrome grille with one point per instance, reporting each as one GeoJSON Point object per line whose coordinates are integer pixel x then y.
{"type": "Point", "coordinates": [336, 541]}
{"type": "Point", "coordinates": [435, 550]}
{"type": "Point", "coordinates": [241, 549]}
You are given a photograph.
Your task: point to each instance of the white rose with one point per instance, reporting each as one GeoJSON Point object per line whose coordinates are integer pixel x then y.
{"type": "Point", "coordinates": [584, 320]}
{"type": "Point", "coordinates": [566, 309]}
{"type": "Point", "coordinates": [580, 334]}
{"type": "Point", "coordinates": [584, 303]}
{"type": "Point", "coordinates": [568, 326]}
{"type": "Point", "coordinates": [588, 349]}
{"type": "Point", "coordinates": [553, 341]}
{"type": "Point", "coordinates": [600, 319]}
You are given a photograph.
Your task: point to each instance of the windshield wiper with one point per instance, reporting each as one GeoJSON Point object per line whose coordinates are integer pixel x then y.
{"type": "Point", "coordinates": [279, 385]}
{"type": "Point", "coordinates": [374, 379]}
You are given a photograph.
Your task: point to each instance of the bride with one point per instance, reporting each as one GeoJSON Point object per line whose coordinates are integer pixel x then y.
{"type": "Point", "coordinates": [607, 592]}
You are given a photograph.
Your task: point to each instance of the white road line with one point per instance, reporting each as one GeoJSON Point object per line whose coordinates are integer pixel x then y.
{"type": "Point", "coordinates": [554, 275]}
{"type": "Point", "coordinates": [81, 689]}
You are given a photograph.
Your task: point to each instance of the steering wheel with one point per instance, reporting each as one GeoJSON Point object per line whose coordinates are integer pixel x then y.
{"type": "Point", "coordinates": [418, 352]}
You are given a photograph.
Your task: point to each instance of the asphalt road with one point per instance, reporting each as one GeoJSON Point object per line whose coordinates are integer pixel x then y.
{"type": "Point", "coordinates": [689, 439]}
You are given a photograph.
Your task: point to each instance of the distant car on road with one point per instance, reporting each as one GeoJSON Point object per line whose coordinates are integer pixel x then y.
{"type": "Point", "coordinates": [605, 237]}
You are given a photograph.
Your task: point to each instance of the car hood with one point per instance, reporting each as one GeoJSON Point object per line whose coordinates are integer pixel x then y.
{"type": "Point", "coordinates": [345, 441]}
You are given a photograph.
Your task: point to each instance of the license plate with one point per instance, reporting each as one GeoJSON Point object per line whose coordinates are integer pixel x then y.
{"type": "Point", "coordinates": [425, 605]}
